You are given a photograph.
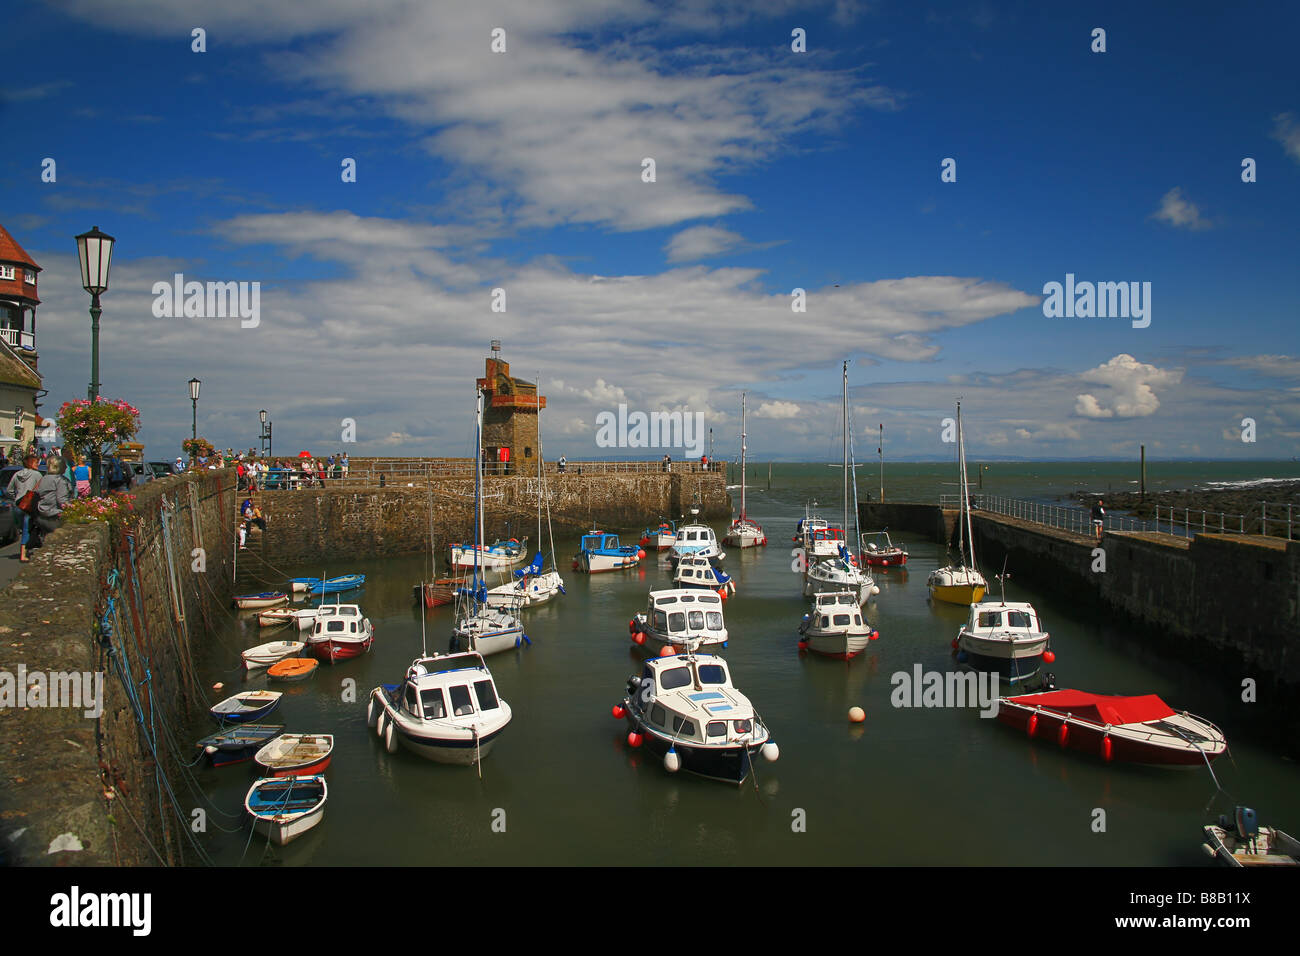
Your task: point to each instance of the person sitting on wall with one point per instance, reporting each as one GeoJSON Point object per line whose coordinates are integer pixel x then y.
{"type": "Point", "coordinates": [251, 515]}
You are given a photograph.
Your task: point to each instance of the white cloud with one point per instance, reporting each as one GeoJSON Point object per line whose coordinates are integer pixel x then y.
{"type": "Point", "coordinates": [1179, 212]}
{"type": "Point", "coordinates": [1286, 130]}
{"type": "Point", "coordinates": [1274, 366]}
{"type": "Point", "coordinates": [701, 242]}
{"type": "Point", "coordinates": [1130, 388]}
{"type": "Point", "coordinates": [777, 410]}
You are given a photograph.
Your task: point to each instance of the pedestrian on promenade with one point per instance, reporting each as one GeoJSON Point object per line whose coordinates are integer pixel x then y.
{"type": "Point", "coordinates": [1098, 517]}
{"type": "Point", "coordinates": [55, 491]}
{"type": "Point", "coordinates": [563, 463]}
{"type": "Point", "coordinates": [24, 480]}
{"type": "Point", "coordinates": [344, 459]}
{"type": "Point", "coordinates": [81, 474]}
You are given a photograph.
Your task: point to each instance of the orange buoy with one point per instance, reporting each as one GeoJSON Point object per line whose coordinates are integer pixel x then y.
{"type": "Point", "coordinates": [618, 712]}
{"type": "Point", "coordinates": [857, 715]}
{"type": "Point", "coordinates": [667, 651]}
{"type": "Point", "coordinates": [633, 739]}
{"type": "Point", "coordinates": [638, 638]}
{"type": "Point", "coordinates": [631, 626]}
{"type": "Point", "coordinates": [1063, 735]}
{"type": "Point", "coordinates": [874, 635]}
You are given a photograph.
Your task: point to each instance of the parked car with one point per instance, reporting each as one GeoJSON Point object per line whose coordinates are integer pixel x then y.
{"type": "Point", "coordinates": [137, 472]}
{"type": "Point", "coordinates": [163, 469]}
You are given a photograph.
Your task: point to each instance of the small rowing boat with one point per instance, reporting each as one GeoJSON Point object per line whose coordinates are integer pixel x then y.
{"type": "Point", "coordinates": [344, 582]}
{"type": "Point", "coordinates": [247, 602]}
{"type": "Point", "coordinates": [296, 755]}
{"type": "Point", "coordinates": [264, 655]}
{"type": "Point", "coordinates": [284, 808]}
{"type": "Point", "coordinates": [302, 618]}
{"type": "Point", "coordinates": [251, 705]}
{"type": "Point", "coordinates": [238, 744]}
{"type": "Point", "coordinates": [293, 669]}
{"type": "Point", "coordinates": [1241, 841]}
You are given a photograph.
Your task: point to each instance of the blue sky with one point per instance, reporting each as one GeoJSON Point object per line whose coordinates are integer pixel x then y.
{"type": "Point", "coordinates": [774, 170]}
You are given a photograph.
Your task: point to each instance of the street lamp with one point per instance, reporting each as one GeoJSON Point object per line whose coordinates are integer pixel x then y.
{"type": "Point", "coordinates": [194, 420]}
{"type": "Point", "coordinates": [95, 250]}
{"type": "Point", "coordinates": [266, 434]}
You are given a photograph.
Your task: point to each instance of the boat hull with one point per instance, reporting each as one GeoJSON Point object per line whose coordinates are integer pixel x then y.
{"type": "Point", "coordinates": [841, 646]}
{"type": "Point", "coordinates": [282, 828]}
{"type": "Point", "coordinates": [334, 650]}
{"type": "Point", "coordinates": [878, 560]}
{"type": "Point", "coordinates": [598, 563]}
{"type": "Point", "coordinates": [729, 764]}
{"type": "Point", "coordinates": [1088, 738]}
{"type": "Point", "coordinates": [963, 594]}
{"type": "Point", "coordinates": [454, 746]}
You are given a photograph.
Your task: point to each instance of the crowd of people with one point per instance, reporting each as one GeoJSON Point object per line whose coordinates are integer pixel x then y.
{"type": "Point", "coordinates": [270, 474]}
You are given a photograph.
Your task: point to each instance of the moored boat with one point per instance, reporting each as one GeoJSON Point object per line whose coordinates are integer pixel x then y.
{"type": "Point", "coordinates": [341, 632]}
{"type": "Point", "coordinates": [488, 557]}
{"type": "Point", "coordinates": [744, 532]}
{"type": "Point", "coordinates": [659, 538]}
{"type": "Point", "coordinates": [447, 710]}
{"type": "Point", "coordinates": [284, 808]}
{"type": "Point", "coordinates": [1141, 729]}
{"type": "Point", "coordinates": [247, 602]}
{"type": "Point", "coordinates": [439, 592]}
{"type": "Point", "coordinates": [335, 585]}
{"type": "Point", "coordinates": [835, 626]}
{"type": "Point", "coordinates": [877, 550]}
{"type": "Point", "coordinates": [292, 669]}
{"type": "Point", "coordinates": [1241, 842]}
{"type": "Point", "coordinates": [697, 572]}
{"type": "Point", "coordinates": [532, 586]}
{"type": "Point", "coordinates": [960, 583]}
{"type": "Point", "coordinates": [247, 707]}
{"type": "Point", "coordinates": [1006, 637]}
{"type": "Point", "coordinates": [264, 655]}
{"type": "Point", "coordinates": [696, 540]}
{"type": "Point", "coordinates": [685, 710]}
{"type": "Point", "coordinates": [302, 618]}
{"type": "Point", "coordinates": [679, 617]}
{"type": "Point", "coordinates": [602, 552]}
{"type": "Point", "coordinates": [299, 755]}
{"type": "Point", "coordinates": [237, 744]}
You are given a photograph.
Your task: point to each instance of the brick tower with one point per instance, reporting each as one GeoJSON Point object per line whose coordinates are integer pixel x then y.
{"type": "Point", "coordinates": [510, 407]}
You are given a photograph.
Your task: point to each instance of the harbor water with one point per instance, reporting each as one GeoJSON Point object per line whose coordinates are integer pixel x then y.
{"type": "Point", "coordinates": [909, 786]}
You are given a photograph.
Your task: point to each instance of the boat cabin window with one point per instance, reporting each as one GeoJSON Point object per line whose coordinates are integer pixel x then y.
{"type": "Point", "coordinates": [1018, 619]}
{"type": "Point", "coordinates": [675, 677]}
{"type": "Point", "coordinates": [857, 619]}
{"type": "Point", "coordinates": [684, 727]}
{"type": "Point", "coordinates": [661, 621]}
{"type": "Point", "coordinates": [742, 726]}
{"type": "Point", "coordinates": [333, 625]}
{"type": "Point", "coordinates": [432, 702]}
{"type": "Point", "coordinates": [696, 620]}
{"type": "Point", "coordinates": [826, 621]}
{"type": "Point", "coordinates": [712, 674]}
{"type": "Point", "coordinates": [717, 728]}
{"type": "Point", "coordinates": [658, 716]}
{"type": "Point", "coordinates": [487, 697]}
{"type": "Point", "coordinates": [715, 620]}
{"type": "Point", "coordinates": [352, 626]}
{"type": "Point", "coordinates": [460, 703]}
{"type": "Point", "coordinates": [409, 701]}
{"type": "Point", "coordinates": [841, 620]}
{"type": "Point", "coordinates": [990, 618]}
{"type": "Point", "coordinates": [677, 621]}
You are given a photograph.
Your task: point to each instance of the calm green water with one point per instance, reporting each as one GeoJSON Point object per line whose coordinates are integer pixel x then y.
{"type": "Point", "coordinates": [911, 786]}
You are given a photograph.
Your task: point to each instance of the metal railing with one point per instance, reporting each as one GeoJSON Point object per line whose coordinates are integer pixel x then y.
{"type": "Point", "coordinates": [1066, 518]}
{"type": "Point", "coordinates": [1264, 517]}
{"type": "Point", "coordinates": [19, 339]}
{"type": "Point", "coordinates": [420, 475]}
{"type": "Point", "coordinates": [1215, 521]}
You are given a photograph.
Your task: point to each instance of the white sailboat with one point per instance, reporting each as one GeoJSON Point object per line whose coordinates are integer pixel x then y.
{"type": "Point", "coordinates": [533, 585]}
{"type": "Point", "coordinates": [744, 532]}
{"type": "Point", "coordinates": [481, 628]}
{"type": "Point", "coordinates": [841, 572]}
{"type": "Point", "coordinates": [960, 583]}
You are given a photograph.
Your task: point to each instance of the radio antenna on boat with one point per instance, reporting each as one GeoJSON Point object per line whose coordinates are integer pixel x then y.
{"type": "Point", "coordinates": [1002, 579]}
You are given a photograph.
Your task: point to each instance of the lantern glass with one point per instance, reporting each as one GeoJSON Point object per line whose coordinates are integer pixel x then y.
{"type": "Point", "coordinates": [95, 250]}
{"type": "Point", "coordinates": [194, 389]}
{"type": "Point", "coordinates": [262, 416]}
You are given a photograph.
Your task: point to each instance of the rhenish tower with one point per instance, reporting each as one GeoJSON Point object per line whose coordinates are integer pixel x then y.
{"type": "Point", "coordinates": [510, 407]}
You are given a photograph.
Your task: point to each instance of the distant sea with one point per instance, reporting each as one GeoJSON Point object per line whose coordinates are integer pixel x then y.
{"type": "Point", "coordinates": [1046, 481]}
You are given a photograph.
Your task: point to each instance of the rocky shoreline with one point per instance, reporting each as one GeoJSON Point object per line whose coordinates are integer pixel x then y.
{"type": "Point", "coordinates": [1245, 501]}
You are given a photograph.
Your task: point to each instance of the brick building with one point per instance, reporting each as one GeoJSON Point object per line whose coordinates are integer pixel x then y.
{"type": "Point", "coordinates": [510, 407]}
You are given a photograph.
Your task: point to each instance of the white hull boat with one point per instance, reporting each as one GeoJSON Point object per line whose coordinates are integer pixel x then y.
{"type": "Point", "coordinates": [528, 591]}
{"type": "Point", "coordinates": [284, 808]}
{"type": "Point", "coordinates": [1005, 637]}
{"type": "Point", "coordinates": [680, 617]}
{"type": "Point", "coordinates": [835, 627]}
{"type": "Point", "coordinates": [302, 618]}
{"type": "Point", "coordinates": [264, 655]}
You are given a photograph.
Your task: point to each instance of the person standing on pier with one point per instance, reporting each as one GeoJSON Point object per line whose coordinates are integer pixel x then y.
{"type": "Point", "coordinates": [1098, 517]}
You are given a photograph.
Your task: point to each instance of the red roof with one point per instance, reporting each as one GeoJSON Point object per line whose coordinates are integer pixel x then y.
{"type": "Point", "coordinates": [1100, 708]}
{"type": "Point", "coordinates": [10, 251]}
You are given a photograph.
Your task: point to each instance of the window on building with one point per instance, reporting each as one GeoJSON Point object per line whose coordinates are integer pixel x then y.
{"type": "Point", "coordinates": [6, 272]}
{"type": "Point", "coordinates": [29, 277]}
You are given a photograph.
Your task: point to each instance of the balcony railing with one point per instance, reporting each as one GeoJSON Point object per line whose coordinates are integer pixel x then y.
{"type": "Point", "coordinates": [19, 339]}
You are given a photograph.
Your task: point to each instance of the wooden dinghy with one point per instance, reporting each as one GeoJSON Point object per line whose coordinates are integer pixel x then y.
{"type": "Point", "coordinates": [296, 755]}
{"type": "Point", "coordinates": [248, 602]}
{"type": "Point", "coordinates": [293, 669]}
{"type": "Point", "coordinates": [249, 706]}
{"type": "Point", "coordinates": [1242, 842]}
{"type": "Point", "coordinates": [302, 618]}
{"type": "Point", "coordinates": [284, 808]}
{"type": "Point", "coordinates": [264, 655]}
{"type": "Point", "coordinates": [239, 743]}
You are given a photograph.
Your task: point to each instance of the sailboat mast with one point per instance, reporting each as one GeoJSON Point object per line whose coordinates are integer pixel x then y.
{"type": "Point", "coordinates": [478, 489]}
{"type": "Point", "coordinates": [844, 414]}
{"type": "Point", "coordinates": [539, 463]}
{"type": "Point", "coordinates": [970, 531]}
{"type": "Point", "coordinates": [961, 490]}
{"type": "Point", "coordinates": [742, 454]}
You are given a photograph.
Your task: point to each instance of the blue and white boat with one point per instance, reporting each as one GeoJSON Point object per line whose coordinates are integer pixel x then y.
{"type": "Point", "coordinates": [238, 744]}
{"type": "Point", "coordinates": [247, 707]}
{"type": "Point", "coordinates": [344, 582]}
{"type": "Point", "coordinates": [446, 710]}
{"type": "Point", "coordinates": [602, 552]}
{"type": "Point", "coordinates": [488, 557]}
{"type": "Point", "coordinates": [284, 808]}
{"type": "Point", "coordinates": [693, 571]}
{"type": "Point", "coordinates": [697, 540]}
{"type": "Point", "coordinates": [532, 585]}
{"type": "Point", "coordinates": [659, 538]}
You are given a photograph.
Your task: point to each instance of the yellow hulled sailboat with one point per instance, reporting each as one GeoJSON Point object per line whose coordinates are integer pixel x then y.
{"type": "Point", "coordinates": [960, 583]}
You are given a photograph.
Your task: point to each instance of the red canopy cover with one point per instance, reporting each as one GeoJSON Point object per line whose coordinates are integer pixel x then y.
{"type": "Point", "coordinates": [1101, 708]}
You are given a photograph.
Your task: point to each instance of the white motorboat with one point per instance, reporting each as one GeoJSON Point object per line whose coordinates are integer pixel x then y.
{"type": "Point", "coordinates": [284, 808]}
{"type": "Point", "coordinates": [1003, 636]}
{"type": "Point", "coordinates": [264, 655]}
{"type": "Point", "coordinates": [693, 571]}
{"type": "Point", "coordinates": [340, 632]}
{"type": "Point", "coordinates": [816, 537]}
{"type": "Point", "coordinates": [447, 709]}
{"type": "Point", "coordinates": [685, 709]}
{"type": "Point", "coordinates": [680, 617]}
{"type": "Point", "coordinates": [835, 627]}
{"type": "Point", "coordinates": [302, 618]}
{"type": "Point", "coordinates": [744, 532]}
{"type": "Point", "coordinates": [960, 583]}
{"type": "Point", "coordinates": [696, 539]}
{"type": "Point", "coordinates": [840, 574]}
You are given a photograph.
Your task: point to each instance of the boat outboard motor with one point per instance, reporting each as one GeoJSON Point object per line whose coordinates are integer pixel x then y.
{"type": "Point", "coordinates": [1247, 825]}
{"type": "Point", "coordinates": [1049, 681]}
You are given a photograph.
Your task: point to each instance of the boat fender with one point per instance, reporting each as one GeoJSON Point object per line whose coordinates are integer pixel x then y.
{"type": "Point", "coordinates": [1032, 725]}
{"type": "Point", "coordinates": [640, 554]}
{"type": "Point", "coordinates": [1049, 657]}
{"type": "Point", "coordinates": [210, 749]}
{"type": "Point", "coordinates": [632, 684]}
{"type": "Point", "coordinates": [618, 712]}
{"type": "Point", "coordinates": [1209, 851]}
{"type": "Point", "coordinates": [372, 712]}
{"type": "Point", "coordinates": [770, 751]}
{"type": "Point", "coordinates": [638, 638]}
{"type": "Point", "coordinates": [631, 626]}
{"type": "Point", "coordinates": [390, 737]}
{"type": "Point", "coordinates": [1063, 734]}
{"type": "Point", "coordinates": [1107, 746]}
{"type": "Point", "coordinates": [633, 739]}
{"type": "Point", "coordinates": [803, 645]}
{"type": "Point", "coordinates": [672, 761]}
{"type": "Point", "coordinates": [514, 541]}
{"type": "Point", "coordinates": [874, 635]}
{"type": "Point", "coordinates": [875, 589]}
{"type": "Point", "coordinates": [380, 723]}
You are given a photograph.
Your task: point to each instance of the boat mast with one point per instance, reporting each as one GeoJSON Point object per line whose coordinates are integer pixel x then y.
{"type": "Point", "coordinates": [844, 415]}
{"type": "Point", "coordinates": [964, 514]}
{"type": "Point", "coordinates": [478, 491]}
{"type": "Point", "coordinates": [961, 491]}
{"type": "Point", "coordinates": [857, 530]}
{"type": "Point", "coordinates": [742, 455]}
